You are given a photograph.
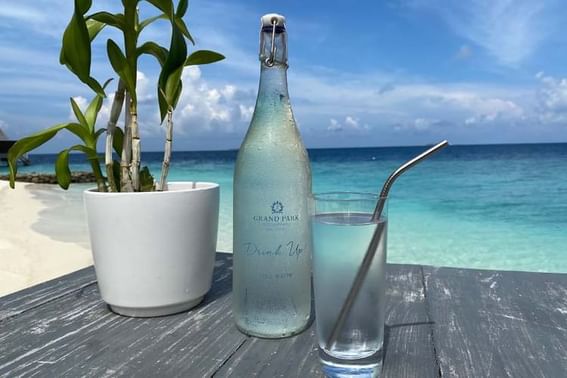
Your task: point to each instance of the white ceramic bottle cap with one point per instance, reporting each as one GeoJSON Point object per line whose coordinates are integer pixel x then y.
{"type": "Point", "coordinates": [267, 19]}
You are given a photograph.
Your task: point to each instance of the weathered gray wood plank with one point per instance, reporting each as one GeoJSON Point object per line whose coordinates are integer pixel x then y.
{"type": "Point", "coordinates": [498, 324]}
{"type": "Point", "coordinates": [409, 350]}
{"type": "Point", "coordinates": [292, 357]}
{"type": "Point", "coordinates": [76, 335]}
{"type": "Point", "coordinates": [16, 303]}
{"type": "Point", "coordinates": [408, 347]}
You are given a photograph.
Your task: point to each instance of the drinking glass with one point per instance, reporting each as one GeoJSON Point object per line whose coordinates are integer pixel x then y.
{"type": "Point", "coordinates": [342, 230]}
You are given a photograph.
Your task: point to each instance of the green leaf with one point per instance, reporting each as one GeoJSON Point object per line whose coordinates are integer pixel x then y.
{"type": "Point", "coordinates": [93, 109]}
{"type": "Point", "coordinates": [150, 20]}
{"type": "Point", "coordinates": [91, 113]}
{"type": "Point", "coordinates": [170, 75]}
{"type": "Point", "coordinates": [116, 20]}
{"type": "Point", "coordinates": [152, 48]}
{"type": "Point", "coordinates": [29, 143]}
{"type": "Point", "coordinates": [62, 171]}
{"type": "Point", "coordinates": [81, 132]}
{"type": "Point", "coordinates": [116, 171]}
{"type": "Point", "coordinates": [76, 48]}
{"type": "Point", "coordinates": [108, 81]}
{"type": "Point", "coordinates": [90, 152]}
{"type": "Point", "coordinates": [98, 133]}
{"type": "Point", "coordinates": [203, 57]}
{"type": "Point", "coordinates": [183, 27]}
{"type": "Point", "coordinates": [121, 67]}
{"type": "Point", "coordinates": [82, 6]}
{"type": "Point", "coordinates": [95, 86]}
{"type": "Point", "coordinates": [166, 6]}
{"type": "Point", "coordinates": [172, 86]}
{"type": "Point", "coordinates": [162, 102]}
{"type": "Point", "coordinates": [177, 95]}
{"type": "Point", "coordinates": [118, 141]}
{"type": "Point", "coordinates": [94, 27]}
{"type": "Point", "coordinates": [182, 8]}
{"type": "Point", "coordinates": [146, 180]}
{"type": "Point", "coordinates": [78, 113]}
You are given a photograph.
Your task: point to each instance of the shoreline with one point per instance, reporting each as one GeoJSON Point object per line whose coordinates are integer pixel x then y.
{"type": "Point", "coordinates": [39, 242]}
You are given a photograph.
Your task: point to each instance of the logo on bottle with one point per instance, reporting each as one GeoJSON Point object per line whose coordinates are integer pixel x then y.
{"type": "Point", "coordinates": [277, 215]}
{"type": "Point", "coordinates": [277, 207]}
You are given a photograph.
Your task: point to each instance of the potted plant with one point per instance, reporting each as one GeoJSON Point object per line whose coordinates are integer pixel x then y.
{"type": "Point", "coordinates": [153, 242]}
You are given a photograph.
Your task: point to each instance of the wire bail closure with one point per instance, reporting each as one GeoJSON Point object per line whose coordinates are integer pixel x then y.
{"type": "Point", "coordinates": [270, 60]}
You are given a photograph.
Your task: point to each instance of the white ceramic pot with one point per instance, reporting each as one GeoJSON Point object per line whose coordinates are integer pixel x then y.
{"type": "Point", "coordinates": [154, 252]}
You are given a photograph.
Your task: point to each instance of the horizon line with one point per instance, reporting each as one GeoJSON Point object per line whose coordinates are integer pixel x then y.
{"type": "Point", "coordinates": [354, 147]}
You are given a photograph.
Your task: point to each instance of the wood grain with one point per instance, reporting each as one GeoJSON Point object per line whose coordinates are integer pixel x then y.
{"type": "Point", "coordinates": [408, 348]}
{"type": "Point", "coordinates": [439, 322]}
{"type": "Point", "coordinates": [16, 303]}
{"type": "Point", "coordinates": [498, 324]}
{"type": "Point", "coordinates": [78, 335]}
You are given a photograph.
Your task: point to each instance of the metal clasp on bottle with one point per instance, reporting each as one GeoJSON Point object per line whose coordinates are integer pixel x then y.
{"type": "Point", "coordinates": [270, 60]}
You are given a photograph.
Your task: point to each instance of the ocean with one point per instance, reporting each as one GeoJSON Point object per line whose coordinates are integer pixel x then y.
{"type": "Point", "coordinates": [487, 206]}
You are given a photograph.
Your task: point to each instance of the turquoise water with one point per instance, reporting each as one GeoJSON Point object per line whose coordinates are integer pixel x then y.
{"type": "Point", "coordinates": [496, 207]}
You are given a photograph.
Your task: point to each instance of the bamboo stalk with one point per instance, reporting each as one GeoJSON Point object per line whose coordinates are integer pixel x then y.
{"type": "Point", "coordinates": [114, 115]}
{"type": "Point", "coordinates": [167, 151]}
{"type": "Point", "coordinates": [136, 154]}
{"type": "Point", "coordinates": [125, 179]}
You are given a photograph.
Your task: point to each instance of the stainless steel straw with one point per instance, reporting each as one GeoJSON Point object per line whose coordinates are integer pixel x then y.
{"type": "Point", "coordinates": [372, 247]}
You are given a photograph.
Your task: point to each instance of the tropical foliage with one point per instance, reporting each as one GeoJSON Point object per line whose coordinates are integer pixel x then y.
{"type": "Point", "coordinates": [126, 173]}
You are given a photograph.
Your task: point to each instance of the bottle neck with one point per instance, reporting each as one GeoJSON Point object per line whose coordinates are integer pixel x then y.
{"type": "Point", "coordinates": [273, 97]}
{"type": "Point", "coordinates": [273, 86]}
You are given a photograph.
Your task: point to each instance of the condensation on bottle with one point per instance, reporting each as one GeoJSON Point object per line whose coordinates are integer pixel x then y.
{"type": "Point", "coordinates": [272, 186]}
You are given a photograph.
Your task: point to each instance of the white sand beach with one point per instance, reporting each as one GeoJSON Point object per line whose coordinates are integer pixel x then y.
{"type": "Point", "coordinates": [43, 235]}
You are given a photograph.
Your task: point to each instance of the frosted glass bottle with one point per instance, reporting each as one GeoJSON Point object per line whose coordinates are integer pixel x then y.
{"type": "Point", "coordinates": [272, 184]}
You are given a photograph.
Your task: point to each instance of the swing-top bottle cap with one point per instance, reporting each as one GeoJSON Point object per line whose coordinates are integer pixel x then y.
{"type": "Point", "coordinates": [268, 19]}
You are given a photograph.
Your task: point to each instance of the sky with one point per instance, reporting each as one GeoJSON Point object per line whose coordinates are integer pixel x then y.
{"type": "Point", "coordinates": [361, 73]}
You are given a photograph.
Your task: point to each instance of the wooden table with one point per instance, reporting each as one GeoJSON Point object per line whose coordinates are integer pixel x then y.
{"type": "Point", "coordinates": [440, 322]}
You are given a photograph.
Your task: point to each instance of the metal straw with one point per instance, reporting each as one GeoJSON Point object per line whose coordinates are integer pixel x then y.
{"type": "Point", "coordinates": [373, 246]}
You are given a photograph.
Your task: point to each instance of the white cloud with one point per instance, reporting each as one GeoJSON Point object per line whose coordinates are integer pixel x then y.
{"type": "Point", "coordinates": [552, 98]}
{"type": "Point", "coordinates": [487, 108]}
{"type": "Point", "coordinates": [246, 112]}
{"type": "Point", "coordinates": [439, 103]}
{"type": "Point", "coordinates": [350, 123]}
{"type": "Point", "coordinates": [423, 124]}
{"type": "Point", "coordinates": [511, 31]}
{"type": "Point", "coordinates": [207, 108]}
{"type": "Point", "coordinates": [334, 125]}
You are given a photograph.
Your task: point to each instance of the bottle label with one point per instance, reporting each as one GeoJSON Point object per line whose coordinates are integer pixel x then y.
{"type": "Point", "coordinates": [275, 217]}
{"type": "Point", "coordinates": [272, 262]}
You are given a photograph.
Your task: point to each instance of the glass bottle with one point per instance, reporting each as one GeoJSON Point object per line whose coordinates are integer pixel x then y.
{"type": "Point", "coordinates": [272, 184]}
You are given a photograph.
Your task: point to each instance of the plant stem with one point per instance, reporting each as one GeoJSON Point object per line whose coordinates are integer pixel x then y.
{"type": "Point", "coordinates": [125, 180]}
{"type": "Point", "coordinates": [167, 151]}
{"type": "Point", "coordinates": [114, 115]}
{"type": "Point", "coordinates": [100, 184]}
{"type": "Point", "coordinates": [130, 43]}
{"type": "Point", "coordinates": [136, 154]}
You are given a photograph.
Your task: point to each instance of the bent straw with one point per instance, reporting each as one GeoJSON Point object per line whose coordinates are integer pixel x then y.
{"type": "Point", "coordinates": [373, 246]}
